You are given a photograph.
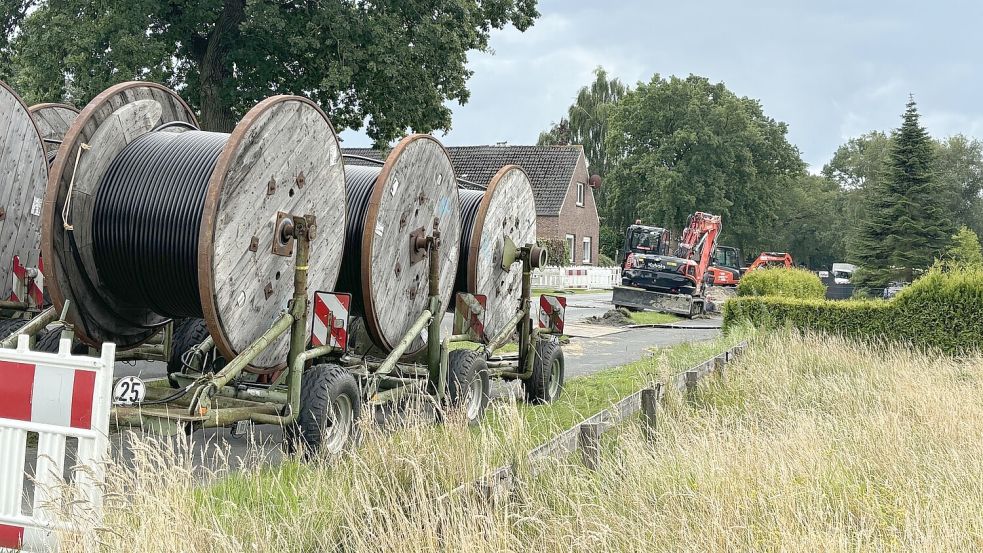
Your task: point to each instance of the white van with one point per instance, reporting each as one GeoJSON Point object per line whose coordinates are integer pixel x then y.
{"type": "Point", "coordinates": [843, 272]}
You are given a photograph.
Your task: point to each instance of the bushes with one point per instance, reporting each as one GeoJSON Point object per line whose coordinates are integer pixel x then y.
{"type": "Point", "coordinates": [781, 282]}
{"type": "Point", "coordinates": [942, 310]}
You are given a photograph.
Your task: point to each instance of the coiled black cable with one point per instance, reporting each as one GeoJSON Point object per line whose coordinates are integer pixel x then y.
{"type": "Point", "coordinates": [359, 181]}
{"type": "Point", "coordinates": [147, 216]}
{"type": "Point", "coordinates": [470, 201]}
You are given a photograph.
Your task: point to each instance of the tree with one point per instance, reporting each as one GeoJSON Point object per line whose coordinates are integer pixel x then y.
{"type": "Point", "coordinates": [685, 145]}
{"type": "Point", "coordinates": [965, 248]}
{"type": "Point", "coordinates": [389, 64]}
{"type": "Point", "coordinates": [586, 124]}
{"type": "Point", "coordinates": [959, 167]}
{"type": "Point", "coordinates": [907, 223]}
{"type": "Point", "coordinates": [813, 223]}
{"type": "Point", "coordinates": [861, 162]}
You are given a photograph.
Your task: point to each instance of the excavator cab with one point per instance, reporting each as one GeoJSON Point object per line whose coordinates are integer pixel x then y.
{"type": "Point", "coordinates": [725, 269]}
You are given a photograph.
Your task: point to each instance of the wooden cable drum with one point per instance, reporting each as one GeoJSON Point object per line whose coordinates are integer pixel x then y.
{"type": "Point", "coordinates": [160, 220]}
{"type": "Point", "coordinates": [23, 175]}
{"type": "Point", "coordinates": [505, 209]}
{"type": "Point", "coordinates": [53, 121]}
{"type": "Point", "coordinates": [388, 206]}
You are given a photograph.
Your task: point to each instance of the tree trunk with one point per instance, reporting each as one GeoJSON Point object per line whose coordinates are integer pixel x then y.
{"type": "Point", "coordinates": [215, 70]}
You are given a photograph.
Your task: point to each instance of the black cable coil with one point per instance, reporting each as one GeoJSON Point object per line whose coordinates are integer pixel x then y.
{"type": "Point", "coordinates": [147, 216]}
{"type": "Point", "coordinates": [359, 181]}
{"type": "Point", "coordinates": [470, 201]}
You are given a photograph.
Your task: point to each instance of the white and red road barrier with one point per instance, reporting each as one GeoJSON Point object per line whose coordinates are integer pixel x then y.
{"type": "Point", "coordinates": [53, 398]}
{"type": "Point", "coordinates": [552, 313]}
{"type": "Point", "coordinates": [28, 283]}
{"type": "Point", "coordinates": [469, 316]}
{"type": "Point", "coordinates": [330, 324]}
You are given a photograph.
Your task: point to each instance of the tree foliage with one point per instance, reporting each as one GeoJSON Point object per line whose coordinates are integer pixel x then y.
{"type": "Point", "coordinates": [685, 145]}
{"type": "Point", "coordinates": [389, 64]}
{"type": "Point", "coordinates": [965, 248]}
{"type": "Point", "coordinates": [959, 169]}
{"type": "Point", "coordinates": [908, 222]}
{"type": "Point", "coordinates": [814, 221]}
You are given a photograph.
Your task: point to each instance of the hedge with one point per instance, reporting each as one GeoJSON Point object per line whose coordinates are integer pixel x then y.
{"type": "Point", "coordinates": [779, 281]}
{"type": "Point", "coordinates": [941, 310]}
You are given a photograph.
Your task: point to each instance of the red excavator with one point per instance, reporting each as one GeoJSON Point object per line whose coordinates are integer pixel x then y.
{"type": "Point", "coordinates": [772, 259]}
{"type": "Point", "coordinates": [651, 279]}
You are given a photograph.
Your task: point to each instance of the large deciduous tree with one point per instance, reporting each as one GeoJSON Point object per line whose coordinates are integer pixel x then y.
{"type": "Point", "coordinates": [388, 64]}
{"type": "Point", "coordinates": [908, 221]}
{"type": "Point", "coordinates": [685, 145]}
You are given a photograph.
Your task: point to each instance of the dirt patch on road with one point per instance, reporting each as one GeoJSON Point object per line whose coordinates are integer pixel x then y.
{"type": "Point", "coordinates": [614, 317]}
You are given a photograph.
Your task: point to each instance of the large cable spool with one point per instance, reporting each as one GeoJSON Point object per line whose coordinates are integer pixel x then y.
{"type": "Point", "coordinates": [389, 206]}
{"type": "Point", "coordinates": [158, 219]}
{"type": "Point", "coordinates": [53, 121]}
{"type": "Point", "coordinates": [23, 175]}
{"type": "Point", "coordinates": [501, 217]}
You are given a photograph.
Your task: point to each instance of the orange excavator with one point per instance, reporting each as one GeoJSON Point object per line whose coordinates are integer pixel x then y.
{"type": "Point", "coordinates": [652, 279]}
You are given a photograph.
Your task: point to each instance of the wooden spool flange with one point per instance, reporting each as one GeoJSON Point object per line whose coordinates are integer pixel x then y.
{"type": "Point", "coordinates": [242, 283]}
{"type": "Point", "coordinates": [508, 209]}
{"type": "Point", "coordinates": [416, 187]}
{"type": "Point", "coordinates": [53, 121]}
{"type": "Point", "coordinates": [23, 175]}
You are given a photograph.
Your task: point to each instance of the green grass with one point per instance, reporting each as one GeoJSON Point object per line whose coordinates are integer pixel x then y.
{"type": "Point", "coordinates": [654, 317]}
{"type": "Point", "coordinates": [510, 347]}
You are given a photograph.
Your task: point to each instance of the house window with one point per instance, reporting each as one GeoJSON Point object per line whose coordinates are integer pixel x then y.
{"type": "Point", "coordinates": [580, 194]}
{"type": "Point", "coordinates": [571, 246]}
{"type": "Point", "coordinates": [587, 250]}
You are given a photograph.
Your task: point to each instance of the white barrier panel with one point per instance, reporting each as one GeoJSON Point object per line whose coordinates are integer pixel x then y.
{"type": "Point", "coordinates": [50, 398]}
{"type": "Point", "coordinates": [581, 276]}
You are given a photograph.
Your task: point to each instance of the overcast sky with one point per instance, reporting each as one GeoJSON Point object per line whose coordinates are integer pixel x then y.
{"type": "Point", "coordinates": [830, 69]}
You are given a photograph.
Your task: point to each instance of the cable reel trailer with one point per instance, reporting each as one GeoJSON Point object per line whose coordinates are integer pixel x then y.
{"type": "Point", "coordinates": [148, 218]}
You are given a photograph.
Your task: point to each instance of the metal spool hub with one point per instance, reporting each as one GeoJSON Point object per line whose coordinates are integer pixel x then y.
{"type": "Point", "coordinates": [24, 174]}
{"type": "Point", "coordinates": [282, 160]}
{"type": "Point", "coordinates": [53, 121]}
{"type": "Point", "coordinates": [390, 209]}
{"type": "Point", "coordinates": [504, 218]}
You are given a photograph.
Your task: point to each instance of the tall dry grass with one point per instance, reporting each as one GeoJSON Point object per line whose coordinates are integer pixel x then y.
{"type": "Point", "coordinates": [813, 444]}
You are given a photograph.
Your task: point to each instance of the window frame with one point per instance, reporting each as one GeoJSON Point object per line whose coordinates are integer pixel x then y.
{"type": "Point", "coordinates": [571, 240]}
{"type": "Point", "coordinates": [588, 250]}
{"type": "Point", "coordinates": [581, 194]}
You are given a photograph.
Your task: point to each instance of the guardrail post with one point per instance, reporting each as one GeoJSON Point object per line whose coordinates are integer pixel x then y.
{"type": "Point", "coordinates": [650, 408]}
{"type": "Point", "coordinates": [590, 445]}
{"type": "Point", "coordinates": [692, 377]}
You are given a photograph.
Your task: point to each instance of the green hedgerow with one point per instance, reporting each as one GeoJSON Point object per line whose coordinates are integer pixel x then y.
{"type": "Point", "coordinates": [781, 282]}
{"type": "Point", "coordinates": [942, 310]}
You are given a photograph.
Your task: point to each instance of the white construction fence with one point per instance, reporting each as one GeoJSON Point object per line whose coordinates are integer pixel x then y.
{"type": "Point", "coordinates": [580, 276]}
{"type": "Point", "coordinates": [53, 407]}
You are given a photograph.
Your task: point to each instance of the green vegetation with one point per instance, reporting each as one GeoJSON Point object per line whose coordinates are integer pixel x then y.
{"type": "Point", "coordinates": [653, 317]}
{"type": "Point", "coordinates": [942, 310]}
{"type": "Point", "coordinates": [781, 282]}
{"type": "Point", "coordinates": [812, 444]}
{"type": "Point", "coordinates": [225, 56]}
{"type": "Point", "coordinates": [908, 222]}
{"type": "Point", "coordinates": [965, 248]}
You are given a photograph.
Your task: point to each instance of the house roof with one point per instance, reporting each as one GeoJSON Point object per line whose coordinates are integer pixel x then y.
{"type": "Point", "coordinates": [550, 168]}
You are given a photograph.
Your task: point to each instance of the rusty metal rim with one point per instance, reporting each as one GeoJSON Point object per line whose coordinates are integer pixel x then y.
{"type": "Point", "coordinates": [27, 110]}
{"type": "Point", "coordinates": [368, 233]}
{"type": "Point", "coordinates": [48, 211]}
{"type": "Point", "coordinates": [479, 224]}
{"type": "Point", "coordinates": [48, 105]}
{"type": "Point", "coordinates": [206, 236]}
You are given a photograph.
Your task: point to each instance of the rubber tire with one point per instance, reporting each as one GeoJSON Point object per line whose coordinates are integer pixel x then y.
{"type": "Point", "coordinates": [49, 340]}
{"type": "Point", "coordinates": [463, 365]}
{"type": "Point", "coordinates": [187, 334]}
{"type": "Point", "coordinates": [537, 387]}
{"type": "Point", "coordinates": [322, 384]}
{"type": "Point", "coordinates": [9, 325]}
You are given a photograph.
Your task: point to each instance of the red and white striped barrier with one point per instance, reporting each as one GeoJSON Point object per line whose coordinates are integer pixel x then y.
{"type": "Point", "coordinates": [28, 283]}
{"type": "Point", "coordinates": [330, 324]}
{"type": "Point", "coordinates": [55, 397]}
{"type": "Point", "coordinates": [552, 313]}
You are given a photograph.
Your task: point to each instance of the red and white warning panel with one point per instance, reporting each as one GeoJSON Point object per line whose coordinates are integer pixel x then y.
{"type": "Point", "coordinates": [330, 324]}
{"type": "Point", "coordinates": [552, 310]}
{"type": "Point", "coordinates": [469, 316]}
{"type": "Point", "coordinates": [28, 285]}
{"type": "Point", "coordinates": [53, 396]}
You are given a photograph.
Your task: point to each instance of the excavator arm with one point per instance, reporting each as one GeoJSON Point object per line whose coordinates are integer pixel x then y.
{"type": "Point", "coordinates": [698, 242]}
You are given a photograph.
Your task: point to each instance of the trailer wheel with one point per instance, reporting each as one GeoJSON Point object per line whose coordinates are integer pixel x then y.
{"type": "Point", "coordinates": [187, 334]}
{"type": "Point", "coordinates": [546, 383]}
{"type": "Point", "coordinates": [330, 405]}
{"type": "Point", "coordinates": [7, 326]}
{"type": "Point", "coordinates": [468, 383]}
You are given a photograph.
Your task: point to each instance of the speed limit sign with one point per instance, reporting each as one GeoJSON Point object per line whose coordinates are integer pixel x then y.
{"type": "Point", "coordinates": [129, 390]}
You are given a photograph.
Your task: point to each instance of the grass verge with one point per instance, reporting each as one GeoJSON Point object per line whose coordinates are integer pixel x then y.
{"type": "Point", "coordinates": [654, 317]}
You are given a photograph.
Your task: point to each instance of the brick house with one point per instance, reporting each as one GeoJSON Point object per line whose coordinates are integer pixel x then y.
{"type": "Point", "coordinates": [565, 208]}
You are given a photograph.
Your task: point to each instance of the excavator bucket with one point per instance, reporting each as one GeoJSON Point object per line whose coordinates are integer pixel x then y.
{"type": "Point", "coordinates": [645, 300]}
